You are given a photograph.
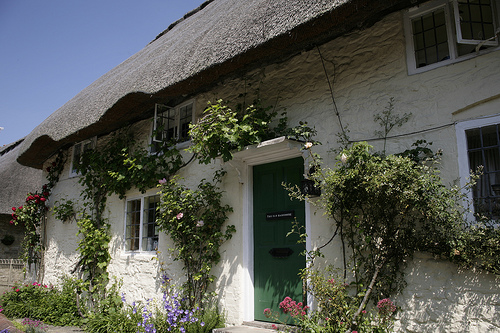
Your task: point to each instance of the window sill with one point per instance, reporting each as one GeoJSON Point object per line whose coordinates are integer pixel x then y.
{"type": "Point", "coordinates": [413, 71]}
{"type": "Point", "coordinates": [139, 254]}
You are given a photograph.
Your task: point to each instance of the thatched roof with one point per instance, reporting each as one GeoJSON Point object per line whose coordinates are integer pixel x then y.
{"type": "Point", "coordinates": [15, 180]}
{"type": "Point", "coordinates": [220, 39]}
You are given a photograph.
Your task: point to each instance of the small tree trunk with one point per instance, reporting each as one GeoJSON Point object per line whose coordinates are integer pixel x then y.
{"type": "Point", "coordinates": [367, 294]}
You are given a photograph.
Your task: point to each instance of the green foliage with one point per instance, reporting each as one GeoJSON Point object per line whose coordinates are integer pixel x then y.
{"type": "Point", "coordinates": [336, 307]}
{"type": "Point", "coordinates": [32, 214]}
{"type": "Point", "coordinates": [211, 317]}
{"type": "Point", "coordinates": [194, 220]}
{"type": "Point", "coordinates": [115, 167]}
{"type": "Point", "coordinates": [64, 210]}
{"type": "Point", "coordinates": [388, 120]}
{"type": "Point", "coordinates": [222, 130]}
{"type": "Point", "coordinates": [111, 314]}
{"type": "Point", "coordinates": [56, 306]}
{"type": "Point", "coordinates": [387, 208]}
{"type": "Point", "coordinates": [94, 254]}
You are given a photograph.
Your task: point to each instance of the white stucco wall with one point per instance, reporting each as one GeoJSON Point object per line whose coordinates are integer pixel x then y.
{"type": "Point", "coordinates": [366, 69]}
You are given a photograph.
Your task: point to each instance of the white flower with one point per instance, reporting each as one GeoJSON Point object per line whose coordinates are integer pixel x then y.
{"type": "Point", "coordinates": [308, 145]}
{"type": "Point", "coordinates": [343, 158]}
{"type": "Point", "coordinates": [200, 224]}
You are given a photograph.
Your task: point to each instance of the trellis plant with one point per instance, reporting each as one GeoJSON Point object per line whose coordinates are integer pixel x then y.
{"type": "Point", "coordinates": [112, 168]}
{"type": "Point", "coordinates": [195, 220]}
{"type": "Point", "coordinates": [33, 213]}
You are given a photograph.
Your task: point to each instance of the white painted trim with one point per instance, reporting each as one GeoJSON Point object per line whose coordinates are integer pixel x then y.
{"type": "Point", "coordinates": [142, 197]}
{"type": "Point", "coordinates": [247, 301]}
{"type": "Point", "coordinates": [278, 149]}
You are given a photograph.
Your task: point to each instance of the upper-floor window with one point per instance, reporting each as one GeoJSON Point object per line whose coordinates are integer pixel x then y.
{"type": "Point", "coordinates": [141, 230]}
{"type": "Point", "coordinates": [479, 145]}
{"type": "Point", "coordinates": [445, 31]}
{"type": "Point", "coordinates": [78, 150]}
{"type": "Point", "coordinates": [171, 124]}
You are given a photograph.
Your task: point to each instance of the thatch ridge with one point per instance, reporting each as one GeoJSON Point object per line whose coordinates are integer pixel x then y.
{"type": "Point", "coordinates": [15, 180]}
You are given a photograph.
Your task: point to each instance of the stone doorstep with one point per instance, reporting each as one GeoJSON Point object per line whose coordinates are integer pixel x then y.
{"type": "Point", "coordinates": [252, 327]}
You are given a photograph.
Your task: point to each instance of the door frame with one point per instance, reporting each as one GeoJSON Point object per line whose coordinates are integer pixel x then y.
{"type": "Point", "coordinates": [278, 149]}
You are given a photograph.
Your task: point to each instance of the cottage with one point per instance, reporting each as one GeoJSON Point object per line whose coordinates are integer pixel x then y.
{"type": "Point", "coordinates": [335, 64]}
{"type": "Point", "coordinates": [17, 180]}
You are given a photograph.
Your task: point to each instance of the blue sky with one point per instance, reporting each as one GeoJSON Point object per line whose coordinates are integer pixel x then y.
{"type": "Point", "coordinates": [52, 49]}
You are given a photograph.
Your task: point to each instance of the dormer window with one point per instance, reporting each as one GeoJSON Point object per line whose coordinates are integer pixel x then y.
{"type": "Point", "coordinates": [171, 124]}
{"type": "Point", "coordinates": [446, 31]}
{"type": "Point", "coordinates": [78, 150]}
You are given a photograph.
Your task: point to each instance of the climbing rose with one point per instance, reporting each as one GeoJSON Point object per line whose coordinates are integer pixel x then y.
{"type": "Point", "coordinates": [162, 181]}
{"type": "Point", "coordinates": [200, 224]}
{"type": "Point", "coordinates": [179, 216]}
{"type": "Point", "coordinates": [308, 145]}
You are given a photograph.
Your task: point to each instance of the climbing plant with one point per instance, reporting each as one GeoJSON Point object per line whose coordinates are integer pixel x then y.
{"type": "Point", "coordinates": [33, 213]}
{"type": "Point", "coordinates": [194, 219]}
{"type": "Point", "coordinates": [112, 168]}
{"type": "Point", "coordinates": [387, 207]}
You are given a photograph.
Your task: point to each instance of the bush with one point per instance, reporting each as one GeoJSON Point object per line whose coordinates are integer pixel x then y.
{"type": "Point", "coordinates": [45, 303]}
{"type": "Point", "coordinates": [170, 314]}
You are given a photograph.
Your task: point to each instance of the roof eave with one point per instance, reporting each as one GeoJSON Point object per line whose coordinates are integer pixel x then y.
{"type": "Point", "coordinates": [354, 15]}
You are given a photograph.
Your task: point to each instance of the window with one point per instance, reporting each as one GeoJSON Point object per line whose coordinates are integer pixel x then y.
{"type": "Point", "coordinates": [141, 231]}
{"type": "Point", "coordinates": [445, 31]}
{"type": "Point", "coordinates": [172, 123]}
{"type": "Point", "coordinates": [78, 150]}
{"type": "Point", "coordinates": [479, 145]}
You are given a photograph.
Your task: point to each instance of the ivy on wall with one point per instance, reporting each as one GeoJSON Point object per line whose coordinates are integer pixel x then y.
{"type": "Point", "coordinates": [33, 214]}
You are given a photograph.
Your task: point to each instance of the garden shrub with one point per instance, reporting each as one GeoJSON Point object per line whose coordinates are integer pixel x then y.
{"type": "Point", "coordinates": [45, 303]}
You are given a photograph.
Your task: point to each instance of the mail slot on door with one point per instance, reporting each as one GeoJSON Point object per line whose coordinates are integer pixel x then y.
{"type": "Point", "coordinates": [281, 252]}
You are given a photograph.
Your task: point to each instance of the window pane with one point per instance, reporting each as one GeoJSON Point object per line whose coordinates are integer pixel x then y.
{"type": "Point", "coordinates": [489, 134]}
{"type": "Point", "coordinates": [132, 228]}
{"type": "Point", "coordinates": [77, 150]}
{"type": "Point", "coordinates": [430, 38]}
{"type": "Point", "coordinates": [185, 118]}
{"type": "Point", "coordinates": [484, 150]}
{"type": "Point", "coordinates": [443, 52]}
{"type": "Point", "coordinates": [441, 34]}
{"type": "Point", "coordinates": [150, 229]}
{"type": "Point", "coordinates": [491, 160]}
{"type": "Point", "coordinates": [476, 19]}
{"type": "Point", "coordinates": [473, 138]}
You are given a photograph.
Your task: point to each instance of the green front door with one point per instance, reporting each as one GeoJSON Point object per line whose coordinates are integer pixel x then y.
{"type": "Point", "coordinates": [277, 258]}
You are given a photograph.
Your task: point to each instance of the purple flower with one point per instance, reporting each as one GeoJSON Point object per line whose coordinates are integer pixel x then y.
{"type": "Point", "coordinates": [200, 224]}
{"type": "Point", "coordinates": [162, 181]}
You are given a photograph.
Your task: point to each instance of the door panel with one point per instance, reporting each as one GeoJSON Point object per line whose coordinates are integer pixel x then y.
{"type": "Point", "coordinates": [277, 258]}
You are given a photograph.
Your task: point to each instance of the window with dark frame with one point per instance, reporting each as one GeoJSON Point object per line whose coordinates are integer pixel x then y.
{"type": "Point", "coordinates": [430, 38]}
{"type": "Point", "coordinates": [171, 124]}
{"type": "Point", "coordinates": [78, 150]}
{"type": "Point", "coordinates": [435, 40]}
{"type": "Point", "coordinates": [483, 149]}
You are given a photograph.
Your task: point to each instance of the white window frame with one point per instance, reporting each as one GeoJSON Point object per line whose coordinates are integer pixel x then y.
{"type": "Point", "coordinates": [463, 158]}
{"type": "Point", "coordinates": [81, 146]}
{"type": "Point", "coordinates": [176, 109]}
{"type": "Point", "coordinates": [454, 35]}
{"type": "Point", "coordinates": [142, 199]}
